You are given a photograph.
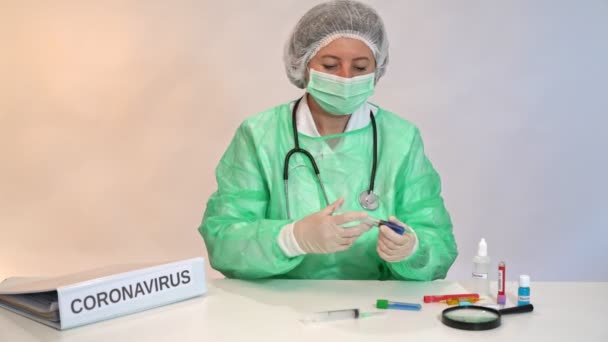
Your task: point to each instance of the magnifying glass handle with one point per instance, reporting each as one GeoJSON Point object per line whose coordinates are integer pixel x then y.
{"type": "Point", "coordinates": [517, 309]}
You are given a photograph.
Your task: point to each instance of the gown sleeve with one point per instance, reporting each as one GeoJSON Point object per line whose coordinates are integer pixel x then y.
{"type": "Point", "coordinates": [240, 240]}
{"type": "Point", "coordinates": [419, 204]}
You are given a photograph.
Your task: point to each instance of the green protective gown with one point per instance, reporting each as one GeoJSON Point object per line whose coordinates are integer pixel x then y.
{"type": "Point", "coordinates": [245, 215]}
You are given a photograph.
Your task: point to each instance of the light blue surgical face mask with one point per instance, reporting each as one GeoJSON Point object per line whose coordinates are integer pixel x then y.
{"type": "Point", "coordinates": [339, 95]}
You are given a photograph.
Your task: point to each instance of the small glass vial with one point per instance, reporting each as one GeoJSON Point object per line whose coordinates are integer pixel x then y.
{"type": "Point", "coordinates": [501, 298]}
{"type": "Point", "coordinates": [523, 292]}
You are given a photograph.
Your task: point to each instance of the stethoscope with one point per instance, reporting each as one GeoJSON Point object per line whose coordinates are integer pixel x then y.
{"type": "Point", "coordinates": [368, 199]}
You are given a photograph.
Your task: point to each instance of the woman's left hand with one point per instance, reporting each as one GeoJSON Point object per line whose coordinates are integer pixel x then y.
{"type": "Point", "coordinates": [393, 247]}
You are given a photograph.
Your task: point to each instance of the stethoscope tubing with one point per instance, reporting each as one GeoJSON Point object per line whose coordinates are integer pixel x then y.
{"type": "Point", "coordinates": [310, 157]}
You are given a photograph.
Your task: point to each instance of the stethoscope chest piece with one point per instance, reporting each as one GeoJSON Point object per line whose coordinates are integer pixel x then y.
{"type": "Point", "coordinates": [369, 200]}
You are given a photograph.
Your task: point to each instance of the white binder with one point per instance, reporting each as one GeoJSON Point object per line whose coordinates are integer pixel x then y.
{"type": "Point", "coordinates": [86, 297]}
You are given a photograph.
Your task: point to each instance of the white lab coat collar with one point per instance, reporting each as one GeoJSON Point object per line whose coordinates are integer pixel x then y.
{"type": "Point", "coordinates": [306, 124]}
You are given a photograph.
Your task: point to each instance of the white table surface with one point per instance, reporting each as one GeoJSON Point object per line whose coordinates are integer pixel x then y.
{"type": "Point", "coordinates": [269, 310]}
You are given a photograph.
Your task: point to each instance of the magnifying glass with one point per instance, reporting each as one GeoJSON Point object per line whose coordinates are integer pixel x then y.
{"type": "Point", "coordinates": [474, 317]}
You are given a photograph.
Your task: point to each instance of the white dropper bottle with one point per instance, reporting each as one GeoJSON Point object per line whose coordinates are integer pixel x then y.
{"type": "Point", "coordinates": [481, 268]}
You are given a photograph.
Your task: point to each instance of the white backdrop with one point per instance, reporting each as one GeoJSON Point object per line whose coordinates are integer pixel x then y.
{"type": "Point", "coordinates": [114, 114]}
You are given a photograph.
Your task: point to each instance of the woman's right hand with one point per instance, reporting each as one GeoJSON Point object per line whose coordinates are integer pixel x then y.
{"type": "Point", "coordinates": [322, 232]}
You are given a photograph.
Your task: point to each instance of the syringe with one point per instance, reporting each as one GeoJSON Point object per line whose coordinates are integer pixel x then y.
{"type": "Point", "coordinates": [333, 315]}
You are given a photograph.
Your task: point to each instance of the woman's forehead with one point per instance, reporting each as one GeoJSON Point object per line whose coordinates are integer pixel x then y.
{"type": "Point", "coordinates": [346, 48]}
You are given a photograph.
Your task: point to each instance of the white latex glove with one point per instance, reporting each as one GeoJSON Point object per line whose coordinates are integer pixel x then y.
{"type": "Point", "coordinates": [321, 233]}
{"type": "Point", "coordinates": [393, 247]}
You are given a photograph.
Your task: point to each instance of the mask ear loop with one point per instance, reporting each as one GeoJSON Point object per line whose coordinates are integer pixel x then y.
{"type": "Point", "coordinates": [307, 76]}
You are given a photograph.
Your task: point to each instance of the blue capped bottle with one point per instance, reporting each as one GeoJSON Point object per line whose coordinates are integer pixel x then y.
{"type": "Point", "coordinates": [523, 292]}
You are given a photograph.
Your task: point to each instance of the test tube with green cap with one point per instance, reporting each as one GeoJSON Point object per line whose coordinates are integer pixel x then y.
{"type": "Point", "coordinates": [387, 304]}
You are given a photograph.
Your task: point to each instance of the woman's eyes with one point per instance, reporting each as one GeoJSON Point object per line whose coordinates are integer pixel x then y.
{"type": "Point", "coordinates": [335, 66]}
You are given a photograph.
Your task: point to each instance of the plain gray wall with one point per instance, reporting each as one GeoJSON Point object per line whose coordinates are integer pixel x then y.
{"type": "Point", "coordinates": [114, 114]}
